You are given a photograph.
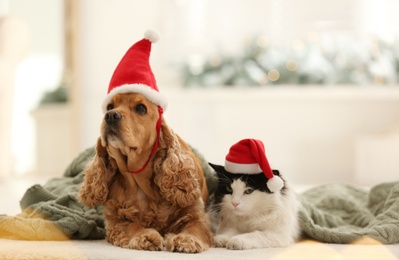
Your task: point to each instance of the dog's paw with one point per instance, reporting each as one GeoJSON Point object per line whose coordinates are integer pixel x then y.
{"type": "Point", "coordinates": [149, 239]}
{"type": "Point", "coordinates": [221, 240]}
{"type": "Point", "coordinates": [184, 243]}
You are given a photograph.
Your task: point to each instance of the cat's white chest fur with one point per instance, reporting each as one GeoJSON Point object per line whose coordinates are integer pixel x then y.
{"type": "Point", "coordinates": [254, 219]}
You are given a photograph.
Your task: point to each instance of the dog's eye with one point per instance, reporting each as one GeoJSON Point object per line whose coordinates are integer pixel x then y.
{"type": "Point", "coordinates": [141, 109]}
{"type": "Point", "coordinates": [110, 107]}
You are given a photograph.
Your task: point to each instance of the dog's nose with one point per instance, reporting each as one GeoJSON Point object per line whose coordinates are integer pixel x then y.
{"type": "Point", "coordinates": [112, 117]}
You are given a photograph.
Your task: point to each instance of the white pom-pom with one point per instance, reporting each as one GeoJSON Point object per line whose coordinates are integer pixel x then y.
{"type": "Point", "coordinates": [275, 184]}
{"type": "Point", "coordinates": [151, 35]}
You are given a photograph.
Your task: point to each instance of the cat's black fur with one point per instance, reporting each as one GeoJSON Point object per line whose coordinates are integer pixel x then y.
{"type": "Point", "coordinates": [225, 179]}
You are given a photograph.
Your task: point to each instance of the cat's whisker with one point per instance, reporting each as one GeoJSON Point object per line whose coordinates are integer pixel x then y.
{"type": "Point", "coordinates": [214, 207]}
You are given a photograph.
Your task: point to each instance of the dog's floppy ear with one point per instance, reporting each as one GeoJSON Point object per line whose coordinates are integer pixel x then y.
{"type": "Point", "coordinates": [98, 174]}
{"type": "Point", "coordinates": [176, 170]}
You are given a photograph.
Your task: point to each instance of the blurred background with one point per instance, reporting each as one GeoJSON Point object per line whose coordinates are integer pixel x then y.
{"type": "Point", "coordinates": [315, 80]}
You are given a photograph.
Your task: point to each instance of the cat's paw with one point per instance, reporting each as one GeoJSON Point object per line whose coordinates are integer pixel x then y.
{"type": "Point", "coordinates": [239, 243]}
{"type": "Point", "coordinates": [221, 240]}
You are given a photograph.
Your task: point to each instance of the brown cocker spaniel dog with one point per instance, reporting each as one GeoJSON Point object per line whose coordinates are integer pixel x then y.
{"type": "Point", "coordinates": [150, 182]}
{"type": "Point", "coordinates": [163, 205]}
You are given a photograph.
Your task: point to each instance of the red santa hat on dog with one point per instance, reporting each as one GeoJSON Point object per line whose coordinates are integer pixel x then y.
{"type": "Point", "coordinates": [134, 74]}
{"type": "Point", "coordinates": [248, 157]}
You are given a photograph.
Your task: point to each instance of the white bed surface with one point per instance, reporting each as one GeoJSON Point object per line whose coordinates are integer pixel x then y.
{"type": "Point", "coordinates": [100, 249]}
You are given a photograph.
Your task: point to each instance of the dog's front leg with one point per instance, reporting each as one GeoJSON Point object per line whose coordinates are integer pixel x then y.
{"type": "Point", "coordinates": [194, 237]}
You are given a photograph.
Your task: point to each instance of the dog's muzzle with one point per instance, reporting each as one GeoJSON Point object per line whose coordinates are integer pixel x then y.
{"type": "Point", "coordinates": [112, 117]}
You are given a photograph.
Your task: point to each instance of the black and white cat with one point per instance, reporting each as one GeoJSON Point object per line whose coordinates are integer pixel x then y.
{"type": "Point", "coordinates": [246, 214]}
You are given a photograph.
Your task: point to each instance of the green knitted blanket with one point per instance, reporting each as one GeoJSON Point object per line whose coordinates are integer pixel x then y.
{"type": "Point", "coordinates": [342, 214]}
{"type": "Point", "coordinates": [329, 213]}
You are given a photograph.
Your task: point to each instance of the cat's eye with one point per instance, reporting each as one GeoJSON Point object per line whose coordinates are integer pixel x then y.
{"type": "Point", "coordinates": [229, 189]}
{"type": "Point", "coordinates": [141, 109]}
{"type": "Point", "coordinates": [110, 107]}
{"type": "Point", "coordinates": [249, 191]}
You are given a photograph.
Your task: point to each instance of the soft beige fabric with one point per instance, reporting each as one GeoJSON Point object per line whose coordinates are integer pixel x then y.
{"type": "Point", "coordinates": [100, 249]}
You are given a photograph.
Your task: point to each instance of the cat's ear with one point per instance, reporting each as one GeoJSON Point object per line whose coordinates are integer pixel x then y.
{"type": "Point", "coordinates": [276, 172]}
{"type": "Point", "coordinates": [217, 168]}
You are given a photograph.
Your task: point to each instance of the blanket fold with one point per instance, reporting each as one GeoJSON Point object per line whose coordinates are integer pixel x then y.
{"type": "Point", "coordinates": [52, 212]}
{"type": "Point", "coordinates": [331, 213]}
{"type": "Point", "coordinates": [343, 214]}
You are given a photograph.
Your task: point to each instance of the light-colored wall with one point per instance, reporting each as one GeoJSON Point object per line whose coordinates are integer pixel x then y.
{"type": "Point", "coordinates": [14, 38]}
{"type": "Point", "coordinates": [310, 134]}
{"type": "Point", "coordinates": [189, 29]}
{"type": "Point", "coordinates": [313, 135]}
{"type": "Point", "coordinates": [38, 71]}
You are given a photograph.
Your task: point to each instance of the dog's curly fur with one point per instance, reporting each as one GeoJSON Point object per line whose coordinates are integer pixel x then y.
{"type": "Point", "coordinates": [162, 207]}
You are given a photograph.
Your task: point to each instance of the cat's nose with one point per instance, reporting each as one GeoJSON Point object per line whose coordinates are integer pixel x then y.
{"type": "Point", "coordinates": [235, 203]}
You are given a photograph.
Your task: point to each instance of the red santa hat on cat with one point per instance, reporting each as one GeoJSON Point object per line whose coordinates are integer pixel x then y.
{"type": "Point", "coordinates": [133, 73]}
{"type": "Point", "coordinates": [248, 157]}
